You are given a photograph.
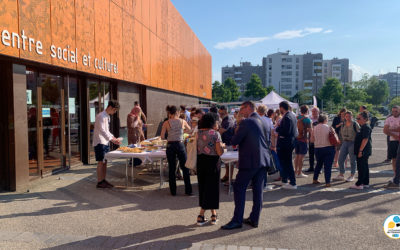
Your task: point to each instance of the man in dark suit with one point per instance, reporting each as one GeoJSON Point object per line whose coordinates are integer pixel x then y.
{"type": "Point", "coordinates": [287, 133]}
{"type": "Point", "coordinates": [253, 161]}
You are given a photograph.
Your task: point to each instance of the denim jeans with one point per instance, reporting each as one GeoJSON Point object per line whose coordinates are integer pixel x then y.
{"type": "Point", "coordinates": [325, 158]}
{"type": "Point", "coordinates": [174, 150]}
{"type": "Point", "coordinates": [347, 148]}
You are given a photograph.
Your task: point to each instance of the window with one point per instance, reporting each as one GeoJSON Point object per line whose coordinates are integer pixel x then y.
{"type": "Point", "coordinates": [270, 80]}
{"type": "Point", "coordinates": [270, 67]}
{"type": "Point", "coordinates": [297, 80]}
{"type": "Point", "coordinates": [297, 60]}
{"type": "Point", "coordinates": [286, 86]}
{"type": "Point", "coordinates": [288, 93]}
{"type": "Point", "coordinates": [286, 79]}
{"type": "Point", "coordinates": [297, 66]}
{"type": "Point", "coordinates": [286, 73]}
{"type": "Point", "coordinates": [270, 60]}
{"type": "Point", "coordinates": [297, 73]}
{"type": "Point", "coordinates": [286, 59]}
{"type": "Point", "coordinates": [287, 66]}
{"type": "Point", "coordinates": [270, 74]}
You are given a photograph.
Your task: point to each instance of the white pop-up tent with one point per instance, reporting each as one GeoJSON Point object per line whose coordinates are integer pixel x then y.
{"type": "Point", "coordinates": [272, 101]}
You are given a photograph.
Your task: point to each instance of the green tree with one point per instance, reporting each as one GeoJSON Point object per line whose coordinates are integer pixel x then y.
{"type": "Point", "coordinates": [393, 102]}
{"type": "Point", "coordinates": [231, 86]}
{"type": "Point", "coordinates": [378, 90]}
{"type": "Point", "coordinates": [220, 93]}
{"type": "Point", "coordinates": [363, 83]}
{"type": "Point", "coordinates": [302, 97]}
{"type": "Point", "coordinates": [254, 88]}
{"type": "Point", "coordinates": [354, 94]}
{"type": "Point", "coordinates": [332, 91]}
{"type": "Point", "coordinates": [269, 89]}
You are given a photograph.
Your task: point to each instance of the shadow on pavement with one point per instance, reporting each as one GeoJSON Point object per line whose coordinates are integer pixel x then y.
{"type": "Point", "coordinates": [150, 239]}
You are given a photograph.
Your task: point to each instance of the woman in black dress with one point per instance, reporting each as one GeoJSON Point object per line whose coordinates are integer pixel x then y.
{"type": "Point", "coordinates": [209, 150]}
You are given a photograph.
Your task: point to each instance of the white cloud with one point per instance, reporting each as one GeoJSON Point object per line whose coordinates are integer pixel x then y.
{"type": "Point", "coordinates": [358, 72]}
{"type": "Point", "coordinates": [240, 42]}
{"type": "Point", "coordinates": [288, 34]}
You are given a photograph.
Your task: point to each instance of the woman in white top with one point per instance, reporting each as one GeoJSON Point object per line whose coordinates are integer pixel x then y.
{"type": "Point", "coordinates": [175, 127]}
{"type": "Point", "coordinates": [324, 151]}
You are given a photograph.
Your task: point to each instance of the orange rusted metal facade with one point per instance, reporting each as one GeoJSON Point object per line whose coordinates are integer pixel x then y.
{"type": "Point", "coordinates": [140, 41]}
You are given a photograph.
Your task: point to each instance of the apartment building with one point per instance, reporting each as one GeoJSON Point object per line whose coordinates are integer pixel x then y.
{"type": "Point", "coordinates": [393, 80]}
{"type": "Point", "coordinates": [337, 68]}
{"type": "Point", "coordinates": [242, 73]}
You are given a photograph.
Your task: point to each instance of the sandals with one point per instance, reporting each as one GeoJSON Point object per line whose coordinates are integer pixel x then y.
{"type": "Point", "coordinates": [201, 220]}
{"type": "Point", "coordinates": [224, 179]}
{"type": "Point", "coordinates": [214, 219]}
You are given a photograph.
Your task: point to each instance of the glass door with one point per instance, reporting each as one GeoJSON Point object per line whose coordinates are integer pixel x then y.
{"type": "Point", "coordinates": [73, 128]}
{"type": "Point", "coordinates": [52, 116]}
{"type": "Point", "coordinates": [32, 107]}
{"type": "Point", "coordinates": [99, 95]}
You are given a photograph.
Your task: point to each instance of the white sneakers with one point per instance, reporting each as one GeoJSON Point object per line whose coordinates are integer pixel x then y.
{"type": "Point", "coordinates": [268, 187]}
{"type": "Point", "coordinates": [288, 186]}
{"type": "Point", "coordinates": [339, 178]}
{"type": "Point", "coordinates": [301, 175]}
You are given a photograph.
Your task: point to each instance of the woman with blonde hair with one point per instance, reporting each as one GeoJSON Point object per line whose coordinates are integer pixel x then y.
{"type": "Point", "coordinates": [135, 126]}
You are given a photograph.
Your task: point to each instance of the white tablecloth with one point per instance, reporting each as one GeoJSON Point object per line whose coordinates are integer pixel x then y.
{"type": "Point", "coordinates": [144, 156]}
{"type": "Point", "coordinates": [227, 157]}
{"type": "Point", "coordinates": [230, 156]}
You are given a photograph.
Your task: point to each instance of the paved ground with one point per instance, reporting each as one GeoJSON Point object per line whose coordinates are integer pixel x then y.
{"type": "Point", "coordinates": [66, 211]}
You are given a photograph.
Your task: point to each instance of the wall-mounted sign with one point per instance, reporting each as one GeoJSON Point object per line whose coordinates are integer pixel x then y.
{"type": "Point", "coordinates": [45, 112]}
{"type": "Point", "coordinates": [67, 54]}
{"type": "Point", "coordinates": [71, 105]}
{"type": "Point", "coordinates": [92, 114]}
{"type": "Point", "coordinates": [28, 96]}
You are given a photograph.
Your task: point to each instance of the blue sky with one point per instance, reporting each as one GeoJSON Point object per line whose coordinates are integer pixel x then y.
{"type": "Point", "coordinates": [365, 31]}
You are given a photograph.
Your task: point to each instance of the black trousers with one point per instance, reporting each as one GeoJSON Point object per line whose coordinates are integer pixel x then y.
{"type": "Point", "coordinates": [363, 170]}
{"type": "Point", "coordinates": [285, 154]}
{"type": "Point", "coordinates": [208, 176]}
{"type": "Point", "coordinates": [174, 150]}
{"type": "Point", "coordinates": [311, 154]}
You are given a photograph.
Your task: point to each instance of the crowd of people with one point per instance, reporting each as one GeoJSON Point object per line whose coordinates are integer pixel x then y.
{"type": "Point", "coordinates": [266, 139]}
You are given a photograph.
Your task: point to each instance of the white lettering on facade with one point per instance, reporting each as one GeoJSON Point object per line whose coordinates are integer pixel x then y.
{"type": "Point", "coordinates": [67, 54]}
{"type": "Point", "coordinates": [39, 47]}
{"type": "Point", "coordinates": [5, 38]}
{"type": "Point", "coordinates": [15, 36]}
{"type": "Point", "coordinates": [53, 51]}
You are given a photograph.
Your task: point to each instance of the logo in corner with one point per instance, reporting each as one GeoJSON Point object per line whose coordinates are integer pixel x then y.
{"type": "Point", "coordinates": [391, 226]}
